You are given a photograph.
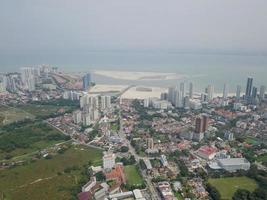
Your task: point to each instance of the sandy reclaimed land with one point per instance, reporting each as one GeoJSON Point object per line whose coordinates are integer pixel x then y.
{"type": "Point", "coordinates": [124, 75]}
{"type": "Point", "coordinates": [134, 93]}
{"type": "Point", "coordinates": [108, 88]}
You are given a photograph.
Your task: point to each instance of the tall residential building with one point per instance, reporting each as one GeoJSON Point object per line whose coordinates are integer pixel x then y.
{"type": "Point", "coordinates": [86, 81]}
{"type": "Point", "coordinates": [171, 94]}
{"type": "Point", "coordinates": [238, 92]}
{"type": "Point", "coordinates": [105, 102]}
{"type": "Point", "coordinates": [225, 91]}
{"type": "Point", "coordinates": [90, 101]}
{"type": "Point", "coordinates": [210, 91]}
{"type": "Point", "coordinates": [205, 119]}
{"type": "Point", "coordinates": [77, 117]}
{"type": "Point", "coordinates": [262, 92]}
{"type": "Point", "coordinates": [28, 78]}
{"type": "Point", "coordinates": [182, 89]}
{"type": "Point", "coordinates": [178, 100]}
{"type": "Point", "coordinates": [202, 123]}
{"type": "Point", "coordinates": [9, 82]}
{"type": "Point", "coordinates": [109, 161]}
{"type": "Point", "coordinates": [2, 87]}
{"type": "Point", "coordinates": [249, 87]}
{"type": "Point", "coordinates": [191, 90]}
{"type": "Point", "coordinates": [198, 125]}
{"type": "Point", "coordinates": [85, 119]}
{"type": "Point", "coordinates": [254, 93]}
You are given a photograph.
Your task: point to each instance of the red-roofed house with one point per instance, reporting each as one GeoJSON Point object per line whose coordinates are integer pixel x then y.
{"type": "Point", "coordinates": [206, 152]}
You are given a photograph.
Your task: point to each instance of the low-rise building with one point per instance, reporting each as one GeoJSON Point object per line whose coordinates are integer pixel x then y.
{"type": "Point", "coordinates": [206, 152]}
{"type": "Point", "coordinates": [234, 164]}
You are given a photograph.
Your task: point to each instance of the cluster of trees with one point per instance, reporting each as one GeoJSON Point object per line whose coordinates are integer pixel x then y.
{"type": "Point", "coordinates": [83, 179]}
{"type": "Point", "coordinates": [124, 149]}
{"type": "Point", "coordinates": [100, 176]}
{"type": "Point", "coordinates": [213, 192]}
{"type": "Point", "coordinates": [258, 194]}
{"type": "Point", "coordinates": [138, 146]}
{"type": "Point", "coordinates": [127, 161]}
{"type": "Point", "coordinates": [133, 187]}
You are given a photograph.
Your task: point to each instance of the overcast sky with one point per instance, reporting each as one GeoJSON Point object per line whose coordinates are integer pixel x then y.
{"type": "Point", "coordinates": [87, 25]}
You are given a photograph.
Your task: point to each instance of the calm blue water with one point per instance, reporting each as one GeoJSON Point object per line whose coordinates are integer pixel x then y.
{"type": "Point", "coordinates": [201, 69]}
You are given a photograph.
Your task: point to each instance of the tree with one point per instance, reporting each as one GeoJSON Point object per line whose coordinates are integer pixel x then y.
{"type": "Point", "coordinates": [100, 176]}
{"type": "Point", "coordinates": [242, 194]}
{"type": "Point", "coordinates": [214, 193]}
{"type": "Point", "coordinates": [124, 149]}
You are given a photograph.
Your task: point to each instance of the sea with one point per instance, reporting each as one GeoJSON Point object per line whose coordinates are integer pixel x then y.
{"type": "Point", "coordinates": [201, 69]}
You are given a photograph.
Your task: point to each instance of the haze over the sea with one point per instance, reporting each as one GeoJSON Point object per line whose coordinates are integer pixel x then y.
{"type": "Point", "coordinates": [202, 69]}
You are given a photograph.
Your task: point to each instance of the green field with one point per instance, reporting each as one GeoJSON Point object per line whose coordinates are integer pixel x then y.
{"type": "Point", "coordinates": [17, 140]}
{"type": "Point", "coordinates": [45, 178]}
{"type": "Point", "coordinates": [228, 186]}
{"type": "Point", "coordinates": [132, 175]}
{"type": "Point", "coordinates": [42, 110]}
{"type": "Point", "coordinates": [9, 115]}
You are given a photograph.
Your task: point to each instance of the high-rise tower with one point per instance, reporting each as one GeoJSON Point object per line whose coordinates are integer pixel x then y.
{"type": "Point", "coordinates": [249, 87]}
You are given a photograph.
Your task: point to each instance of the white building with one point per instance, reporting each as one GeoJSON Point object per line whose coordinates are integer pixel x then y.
{"type": "Point", "coordinates": [109, 161]}
{"type": "Point", "coordinates": [28, 78]}
{"type": "Point", "coordinates": [89, 101]}
{"type": "Point", "coordinates": [2, 87]}
{"type": "Point", "coordinates": [163, 160]}
{"type": "Point", "coordinates": [86, 119]}
{"type": "Point", "coordinates": [195, 104]}
{"type": "Point", "coordinates": [234, 164]}
{"type": "Point", "coordinates": [210, 91]}
{"type": "Point", "coordinates": [146, 103]}
{"type": "Point", "coordinates": [88, 186]}
{"type": "Point", "coordinates": [105, 102]}
{"type": "Point", "coordinates": [71, 95]}
{"type": "Point", "coordinates": [77, 117]}
{"type": "Point", "coordinates": [225, 91]}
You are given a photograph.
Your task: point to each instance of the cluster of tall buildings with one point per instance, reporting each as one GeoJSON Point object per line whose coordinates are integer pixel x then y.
{"type": "Point", "coordinates": [71, 95]}
{"type": "Point", "coordinates": [180, 99]}
{"type": "Point", "coordinates": [208, 94]}
{"type": "Point", "coordinates": [9, 82]}
{"type": "Point", "coordinates": [90, 106]}
{"type": "Point", "coordinates": [29, 77]}
{"type": "Point", "coordinates": [252, 95]}
{"type": "Point", "coordinates": [177, 95]}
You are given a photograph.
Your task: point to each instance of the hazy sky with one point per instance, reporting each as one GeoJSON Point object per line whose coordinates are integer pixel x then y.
{"type": "Point", "coordinates": [87, 25]}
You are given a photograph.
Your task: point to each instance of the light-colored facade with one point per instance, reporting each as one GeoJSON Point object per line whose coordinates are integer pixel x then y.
{"type": "Point", "coordinates": [109, 161]}
{"type": "Point", "coordinates": [234, 164]}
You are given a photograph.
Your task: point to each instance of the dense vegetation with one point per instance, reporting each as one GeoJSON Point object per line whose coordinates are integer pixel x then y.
{"type": "Point", "coordinates": [25, 134]}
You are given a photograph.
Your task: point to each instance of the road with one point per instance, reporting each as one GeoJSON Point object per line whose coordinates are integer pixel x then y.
{"type": "Point", "coordinates": [153, 192]}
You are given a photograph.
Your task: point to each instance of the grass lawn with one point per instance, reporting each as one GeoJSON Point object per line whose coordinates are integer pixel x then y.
{"type": "Point", "coordinates": [228, 186]}
{"type": "Point", "coordinates": [252, 141]}
{"type": "Point", "coordinates": [45, 178]}
{"type": "Point", "coordinates": [132, 175]}
{"type": "Point", "coordinates": [10, 114]}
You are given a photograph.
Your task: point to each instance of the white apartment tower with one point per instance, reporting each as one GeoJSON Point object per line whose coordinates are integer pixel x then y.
{"type": "Point", "coordinates": [28, 78]}
{"type": "Point", "coordinates": [109, 161]}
